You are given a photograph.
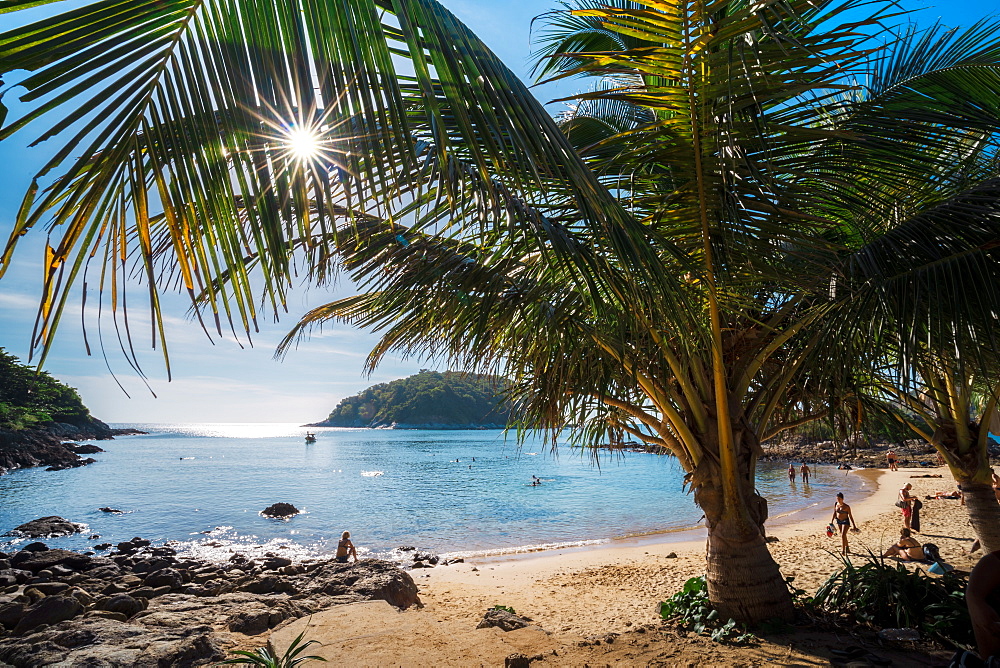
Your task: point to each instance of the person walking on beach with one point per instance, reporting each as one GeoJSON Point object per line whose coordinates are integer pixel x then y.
{"type": "Point", "coordinates": [844, 520]}
{"type": "Point", "coordinates": [905, 504]}
{"type": "Point", "coordinates": [791, 472]}
{"type": "Point", "coordinates": [804, 472]}
{"type": "Point", "coordinates": [891, 458]}
{"type": "Point", "coordinates": [345, 548]}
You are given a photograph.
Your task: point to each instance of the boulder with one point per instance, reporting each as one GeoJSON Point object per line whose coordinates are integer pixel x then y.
{"type": "Point", "coordinates": [84, 448]}
{"type": "Point", "coordinates": [503, 620]}
{"type": "Point", "coordinates": [368, 579]}
{"type": "Point", "coordinates": [11, 614]}
{"type": "Point", "coordinates": [126, 547]}
{"type": "Point", "coordinates": [106, 509]}
{"type": "Point", "coordinates": [38, 561]}
{"type": "Point", "coordinates": [47, 527]}
{"type": "Point", "coordinates": [49, 610]}
{"type": "Point", "coordinates": [274, 563]}
{"type": "Point", "coordinates": [120, 603]}
{"type": "Point", "coordinates": [35, 547]}
{"type": "Point", "coordinates": [280, 510]}
{"type": "Point", "coordinates": [165, 577]}
{"type": "Point", "coordinates": [250, 623]}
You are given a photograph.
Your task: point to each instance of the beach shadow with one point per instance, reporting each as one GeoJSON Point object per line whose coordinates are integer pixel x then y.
{"type": "Point", "coordinates": [938, 535]}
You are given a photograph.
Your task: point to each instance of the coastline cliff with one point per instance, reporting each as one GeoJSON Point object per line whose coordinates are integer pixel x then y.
{"type": "Point", "coordinates": [38, 415]}
{"type": "Point", "coordinates": [427, 400]}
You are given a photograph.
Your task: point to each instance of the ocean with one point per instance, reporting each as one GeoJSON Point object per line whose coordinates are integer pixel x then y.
{"type": "Point", "coordinates": [201, 487]}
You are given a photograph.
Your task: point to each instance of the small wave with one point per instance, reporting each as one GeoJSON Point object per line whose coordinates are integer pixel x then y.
{"type": "Point", "coordinates": [372, 474]}
{"type": "Point", "coordinates": [523, 549]}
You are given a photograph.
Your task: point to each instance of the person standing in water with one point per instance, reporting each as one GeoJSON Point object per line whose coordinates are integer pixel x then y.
{"type": "Point", "coordinates": [844, 520]}
{"type": "Point", "coordinates": [804, 472]}
{"type": "Point", "coordinates": [345, 548]}
{"type": "Point", "coordinates": [791, 472]}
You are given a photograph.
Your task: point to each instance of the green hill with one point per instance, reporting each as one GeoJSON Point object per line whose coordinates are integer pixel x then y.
{"type": "Point", "coordinates": [427, 400]}
{"type": "Point", "coordinates": [29, 399]}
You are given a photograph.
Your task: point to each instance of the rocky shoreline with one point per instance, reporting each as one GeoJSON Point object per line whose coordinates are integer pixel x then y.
{"type": "Point", "coordinates": [143, 605]}
{"type": "Point", "coordinates": [52, 446]}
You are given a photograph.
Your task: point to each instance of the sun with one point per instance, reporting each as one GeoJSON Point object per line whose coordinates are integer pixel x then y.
{"type": "Point", "coordinates": [303, 143]}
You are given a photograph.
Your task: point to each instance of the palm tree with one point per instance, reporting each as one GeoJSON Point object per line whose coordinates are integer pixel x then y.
{"type": "Point", "coordinates": [773, 224]}
{"type": "Point", "coordinates": [677, 275]}
{"type": "Point", "coordinates": [942, 397]}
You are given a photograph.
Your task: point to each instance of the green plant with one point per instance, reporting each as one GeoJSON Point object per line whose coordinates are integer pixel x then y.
{"type": "Point", "coordinates": [505, 607]}
{"type": "Point", "coordinates": [691, 607]}
{"type": "Point", "coordinates": [262, 656]}
{"type": "Point", "coordinates": [884, 595]}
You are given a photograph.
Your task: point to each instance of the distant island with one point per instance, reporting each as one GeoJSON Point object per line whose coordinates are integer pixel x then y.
{"type": "Point", "coordinates": [37, 415]}
{"type": "Point", "coordinates": [427, 400]}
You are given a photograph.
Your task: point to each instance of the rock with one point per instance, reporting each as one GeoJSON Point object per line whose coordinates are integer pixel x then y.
{"type": "Point", "coordinates": [28, 448]}
{"type": "Point", "coordinates": [38, 561]}
{"type": "Point", "coordinates": [140, 542]}
{"type": "Point", "coordinates": [47, 527]}
{"type": "Point", "coordinates": [35, 547]}
{"type": "Point", "coordinates": [250, 623]}
{"type": "Point", "coordinates": [51, 588]}
{"type": "Point", "coordinates": [50, 610]}
{"type": "Point", "coordinates": [406, 548]}
{"type": "Point", "coordinates": [280, 510]}
{"type": "Point", "coordinates": [369, 579]}
{"type": "Point", "coordinates": [11, 614]}
{"type": "Point", "coordinates": [84, 448]}
{"type": "Point", "coordinates": [516, 660]}
{"type": "Point", "coordinates": [503, 620]}
{"type": "Point", "coordinates": [102, 546]}
{"type": "Point", "coordinates": [165, 577]}
{"type": "Point", "coordinates": [770, 539]}
{"type": "Point", "coordinates": [126, 547]}
{"type": "Point", "coordinates": [122, 604]}
{"type": "Point", "coordinates": [115, 643]}
{"type": "Point", "coordinates": [110, 510]}
{"type": "Point", "coordinates": [107, 614]}
{"type": "Point", "coordinates": [672, 555]}
{"type": "Point", "coordinates": [274, 563]}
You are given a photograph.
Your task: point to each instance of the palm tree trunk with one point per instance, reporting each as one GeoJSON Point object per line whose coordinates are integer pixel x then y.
{"type": "Point", "coordinates": [984, 513]}
{"type": "Point", "coordinates": [744, 582]}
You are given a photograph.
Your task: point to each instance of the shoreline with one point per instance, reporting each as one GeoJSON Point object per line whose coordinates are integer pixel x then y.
{"type": "Point", "coordinates": [615, 586]}
{"type": "Point", "coordinates": [780, 526]}
{"type": "Point", "coordinates": [599, 605]}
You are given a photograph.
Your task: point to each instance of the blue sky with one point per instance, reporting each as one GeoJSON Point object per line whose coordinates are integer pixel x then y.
{"type": "Point", "coordinates": [224, 382]}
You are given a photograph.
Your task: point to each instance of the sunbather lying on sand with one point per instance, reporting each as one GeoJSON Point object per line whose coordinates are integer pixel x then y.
{"type": "Point", "coordinates": [906, 548]}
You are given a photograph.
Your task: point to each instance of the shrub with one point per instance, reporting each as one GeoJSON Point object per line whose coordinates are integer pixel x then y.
{"type": "Point", "coordinates": [889, 595]}
{"type": "Point", "coordinates": [691, 608]}
{"type": "Point", "coordinates": [265, 659]}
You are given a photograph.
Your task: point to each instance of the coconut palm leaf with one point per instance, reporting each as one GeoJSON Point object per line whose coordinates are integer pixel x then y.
{"type": "Point", "coordinates": [186, 115]}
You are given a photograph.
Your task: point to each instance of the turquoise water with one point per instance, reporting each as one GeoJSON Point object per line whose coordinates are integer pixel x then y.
{"type": "Point", "coordinates": [203, 486]}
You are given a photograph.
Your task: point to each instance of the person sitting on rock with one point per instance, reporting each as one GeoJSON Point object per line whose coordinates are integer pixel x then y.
{"type": "Point", "coordinates": [906, 548]}
{"type": "Point", "coordinates": [345, 548]}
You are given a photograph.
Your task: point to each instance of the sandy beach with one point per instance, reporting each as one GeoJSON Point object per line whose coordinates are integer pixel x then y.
{"type": "Point", "coordinates": [580, 596]}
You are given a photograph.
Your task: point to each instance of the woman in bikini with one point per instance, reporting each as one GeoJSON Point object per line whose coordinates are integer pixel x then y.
{"type": "Point", "coordinates": [906, 548]}
{"type": "Point", "coordinates": [844, 520]}
{"type": "Point", "coordinates": [345, 547]}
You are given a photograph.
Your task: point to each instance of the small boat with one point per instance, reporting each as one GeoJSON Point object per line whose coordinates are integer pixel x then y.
{"type": "Point", "coordinates": [310, 437]}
